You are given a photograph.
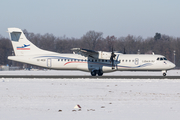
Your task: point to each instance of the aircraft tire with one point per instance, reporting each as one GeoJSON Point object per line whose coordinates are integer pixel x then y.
{"type": "Point", "coordinates": [93, 73]}
{"type": "Point", "coordinates": [100, 73]}
{"type": "Point", "coordinates": [164, 74]}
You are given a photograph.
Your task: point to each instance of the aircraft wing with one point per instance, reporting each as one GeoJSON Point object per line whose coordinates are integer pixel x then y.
{"type": "Point", "coordinates": [86, 52]}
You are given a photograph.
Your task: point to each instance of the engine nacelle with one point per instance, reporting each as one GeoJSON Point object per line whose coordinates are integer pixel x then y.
{"type": "Point", "coordinates": [104, 55]}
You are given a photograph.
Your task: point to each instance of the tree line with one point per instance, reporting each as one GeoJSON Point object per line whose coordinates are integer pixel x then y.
{"type": "Point", "coordinates": [159, 44]}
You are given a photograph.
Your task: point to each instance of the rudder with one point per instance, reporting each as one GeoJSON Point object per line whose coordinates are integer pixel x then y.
{"type": "Point", "coordinates": [21, 45]}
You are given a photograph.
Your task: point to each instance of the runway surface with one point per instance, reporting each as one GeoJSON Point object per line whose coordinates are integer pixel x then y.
{"type": "Point", "coordinates": [89, 77]}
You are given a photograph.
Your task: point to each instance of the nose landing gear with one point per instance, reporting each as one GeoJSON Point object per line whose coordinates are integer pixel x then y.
{"type": "Point", "coordinates": [164, 72]}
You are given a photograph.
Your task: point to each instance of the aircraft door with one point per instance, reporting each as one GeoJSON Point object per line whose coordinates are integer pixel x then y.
{"type": "Point", "coordinates": [136, 61]}
{"type": "Point", "coordinates": [49, 62]}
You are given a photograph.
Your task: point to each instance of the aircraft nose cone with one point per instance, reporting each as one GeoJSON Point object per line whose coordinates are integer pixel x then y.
{"type": "Point", "coordinates": [172, 65]}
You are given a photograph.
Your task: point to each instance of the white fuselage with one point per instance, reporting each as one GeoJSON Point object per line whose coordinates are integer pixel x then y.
{"type": "Point", "coordinates": [132, 62]}
{"type": "Point", "coordinates": [97, 62]}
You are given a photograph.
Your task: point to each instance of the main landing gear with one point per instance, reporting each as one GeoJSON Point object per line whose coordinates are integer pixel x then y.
{"type": "Point", "coordinates": [98, 72]}
{"type": "Point", "coordinates": [164, 72]}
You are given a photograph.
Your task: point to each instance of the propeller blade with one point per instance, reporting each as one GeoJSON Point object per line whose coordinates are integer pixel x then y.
{"type": "Point", "coordinates": [112, 58]}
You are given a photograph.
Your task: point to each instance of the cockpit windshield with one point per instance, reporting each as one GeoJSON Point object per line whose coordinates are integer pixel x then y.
{"type": "Point", "coordinates": [165, 58]}
{"type": "Point", "coordinates": [161, 58]}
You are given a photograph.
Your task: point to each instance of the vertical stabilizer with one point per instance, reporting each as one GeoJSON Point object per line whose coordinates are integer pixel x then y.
{"type": "Point", "coordinates": [21, 45]}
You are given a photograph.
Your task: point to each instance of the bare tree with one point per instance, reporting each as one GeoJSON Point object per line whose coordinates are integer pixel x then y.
{"type": "Point", "coordinates": [5, 50]}
{"type": "Point", "coordinates": [90, 39]}
{"type": "Point", "coordinates": [110, 42]}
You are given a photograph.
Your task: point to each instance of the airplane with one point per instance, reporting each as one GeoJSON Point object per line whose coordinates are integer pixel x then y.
{"type": "Point", "coordinates": [95, 62]}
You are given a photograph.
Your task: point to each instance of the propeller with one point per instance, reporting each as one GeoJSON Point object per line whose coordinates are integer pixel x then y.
{"type": "Point", "coordinates": [112, 58]}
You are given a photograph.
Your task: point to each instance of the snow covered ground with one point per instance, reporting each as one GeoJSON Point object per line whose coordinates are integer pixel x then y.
{"type": "Point", "coordinates": [100, 99]}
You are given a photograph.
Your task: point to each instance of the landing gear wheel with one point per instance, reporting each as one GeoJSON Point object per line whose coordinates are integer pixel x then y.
{"type": "Point", "coordinates": [93, 73]}
{"type": "Point", "coordinates": [100, 73]}
{"type": "Point", "coordinates": [164, 74]}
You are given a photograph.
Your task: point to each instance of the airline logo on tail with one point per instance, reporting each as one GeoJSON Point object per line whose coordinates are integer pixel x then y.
{"type": "Point", "coordinates": [25, 47]}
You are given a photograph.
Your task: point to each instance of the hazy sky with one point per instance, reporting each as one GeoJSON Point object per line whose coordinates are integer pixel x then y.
{"type": "Point", "coordinates": [74, 18]}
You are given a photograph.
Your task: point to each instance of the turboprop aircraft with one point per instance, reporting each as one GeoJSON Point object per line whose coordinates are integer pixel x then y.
{"type": "Point", "coordinates": [95, 62]}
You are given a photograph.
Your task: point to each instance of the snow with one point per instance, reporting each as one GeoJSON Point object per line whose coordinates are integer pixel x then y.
{"type": "Point", "coordinates": [100, 99]}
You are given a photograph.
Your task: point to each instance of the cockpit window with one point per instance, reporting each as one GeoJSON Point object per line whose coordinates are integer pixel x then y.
{"type": "Point", "coordinates": [161, 58]}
